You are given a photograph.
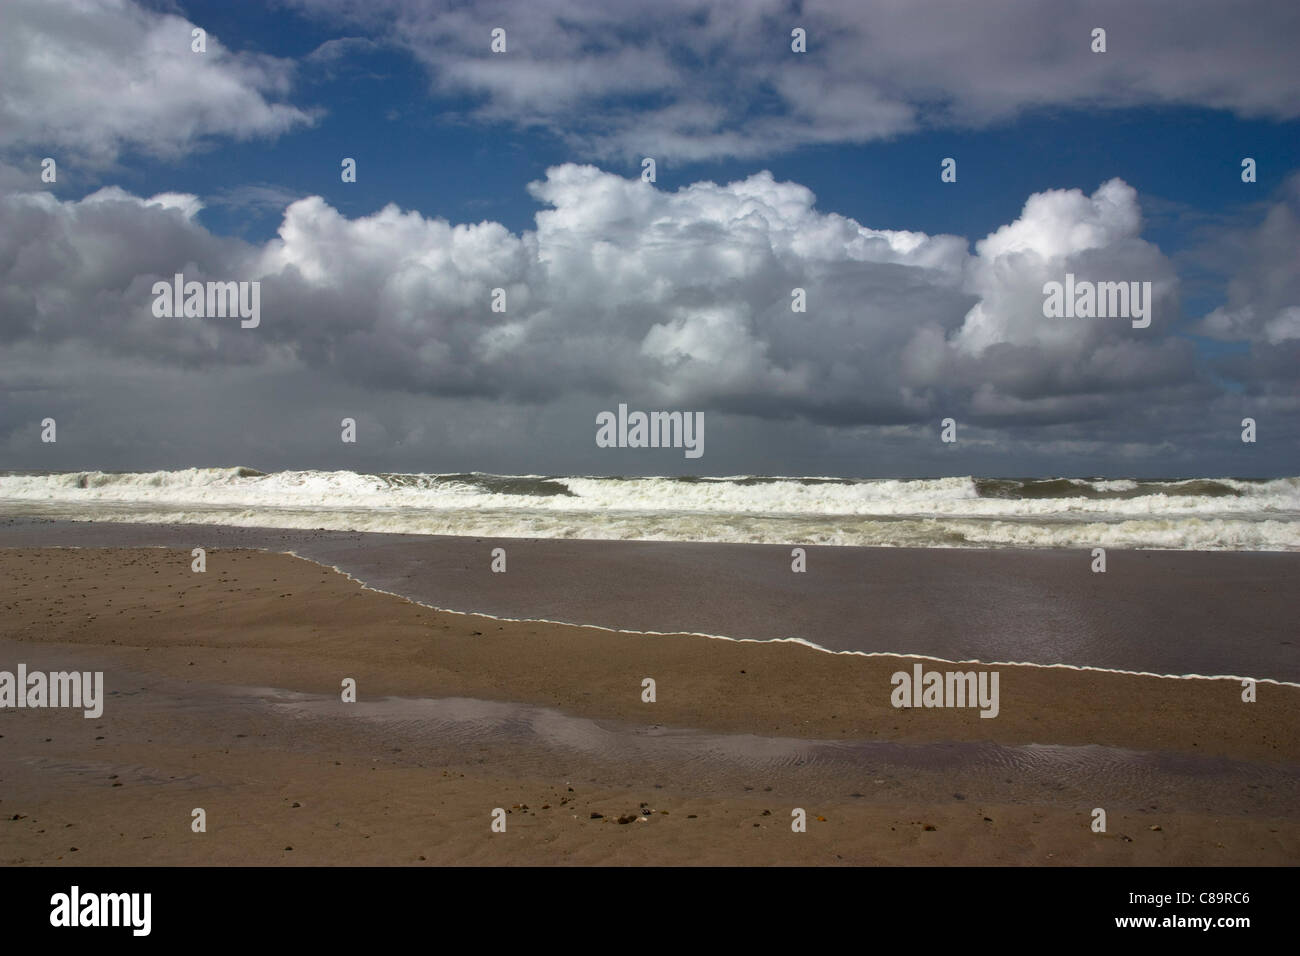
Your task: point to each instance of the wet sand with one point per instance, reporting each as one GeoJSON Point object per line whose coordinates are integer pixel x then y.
{"type": "Point", "coordinates": [224, 694]}
{"type": "Point", "coordinates": [1161, 612]}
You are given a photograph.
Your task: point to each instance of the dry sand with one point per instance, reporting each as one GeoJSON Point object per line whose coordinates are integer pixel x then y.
{"type": "Point", "coordinates": [227, 698]}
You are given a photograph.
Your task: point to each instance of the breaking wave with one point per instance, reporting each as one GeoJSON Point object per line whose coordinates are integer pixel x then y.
{"type": "Point", "coordinates": [1191, 514]}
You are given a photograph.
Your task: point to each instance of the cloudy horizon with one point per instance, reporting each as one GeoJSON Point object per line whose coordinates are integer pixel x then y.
{"type": "Point", "coordinates": [501, 271]}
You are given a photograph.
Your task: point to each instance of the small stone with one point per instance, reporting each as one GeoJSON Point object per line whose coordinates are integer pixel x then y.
{"type": "Point", "coordinates": [598, 816]}
{"type": "Point", "coordinates": [626, 819]}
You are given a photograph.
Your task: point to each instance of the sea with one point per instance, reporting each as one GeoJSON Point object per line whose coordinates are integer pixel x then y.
{"type": "Point", "coordinates": [1199, 514]}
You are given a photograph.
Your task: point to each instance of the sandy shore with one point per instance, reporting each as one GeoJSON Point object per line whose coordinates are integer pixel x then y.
{"type": "Point", "coordinates": [1161, 612]}
{"type": "Point", "coordinates": [224, 694]}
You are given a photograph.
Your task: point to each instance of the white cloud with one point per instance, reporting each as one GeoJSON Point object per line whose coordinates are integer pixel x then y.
{"type": "Point", "coordinates": [93, 79]}
{"type": "Point", "coordinates": [1263, 304]}
{"type": "Point", "coordinates": [690, 79]}
{"type": "Point", "coordinates": [681, 297]}
{"type": "Point", "coordinates": [1059, 232]}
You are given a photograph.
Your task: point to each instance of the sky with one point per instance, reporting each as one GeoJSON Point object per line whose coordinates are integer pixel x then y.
{"type": "Point", "coordinates": [523, 170]}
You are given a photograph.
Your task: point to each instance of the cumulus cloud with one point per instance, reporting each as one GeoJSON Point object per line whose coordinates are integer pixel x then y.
{"type": "Point", "coordinates": [1017, 363]}
{"type": "Point", "coordinates": [672, 298]}
{"type": "Point", "coordinates": [690, 79]}
{"type": "Point", "coordinates": [94, 79]}
{"type": "Point", "coordinates": [1263, 304]}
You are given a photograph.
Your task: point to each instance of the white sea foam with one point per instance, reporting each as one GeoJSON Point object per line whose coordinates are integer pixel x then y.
{"type": "Point", "coordinates": [1193, 514]}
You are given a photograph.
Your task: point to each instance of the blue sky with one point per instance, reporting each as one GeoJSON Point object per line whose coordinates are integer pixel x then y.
{"type": "Point", "coordinates": [1178, 159]}
{"type": "Point", "coordinates": [419, 153]}
{"type": "Point", "coordinates": [446, 131]}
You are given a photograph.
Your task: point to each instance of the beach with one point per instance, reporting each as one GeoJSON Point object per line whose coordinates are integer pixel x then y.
{"type": "Point", "coordinates": [578, 434]}
{"type": "Point", "coordinates": [223, 693]}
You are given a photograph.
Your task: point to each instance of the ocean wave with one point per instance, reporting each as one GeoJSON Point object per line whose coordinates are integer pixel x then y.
{"type": "Point", "coordinates": [1200, 514]}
